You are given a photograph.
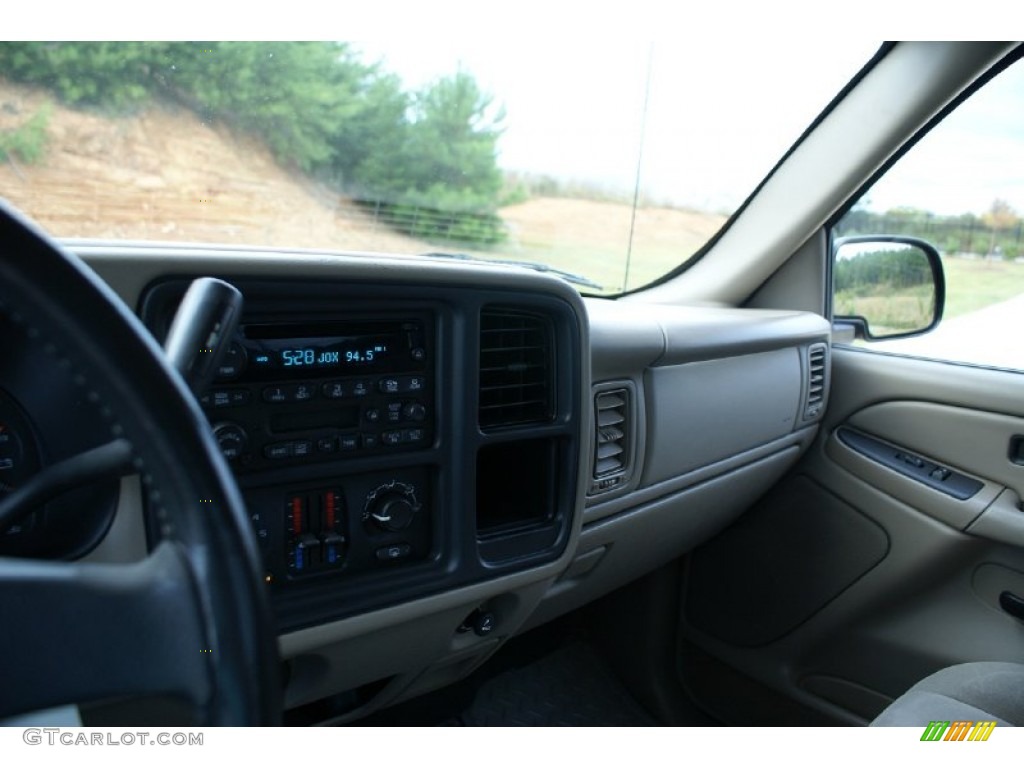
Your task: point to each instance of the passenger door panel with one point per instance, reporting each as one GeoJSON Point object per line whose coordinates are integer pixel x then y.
{"type": "Point", "coordinates": [852, 579]}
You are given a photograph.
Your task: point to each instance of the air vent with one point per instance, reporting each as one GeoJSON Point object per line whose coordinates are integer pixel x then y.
{"type": "Point", "coordinates": [516, 362]}
{"type": "Point", "coordinates": [611, 439]}
{"type": "Point", "coordinates": [817, 367]}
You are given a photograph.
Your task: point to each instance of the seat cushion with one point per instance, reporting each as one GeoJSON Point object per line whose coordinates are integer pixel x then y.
{"type": "Point", "coordinates": [985, 690]}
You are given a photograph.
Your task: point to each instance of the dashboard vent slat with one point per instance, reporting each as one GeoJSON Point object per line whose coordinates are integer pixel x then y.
{"type": "Point", "coordinates": [516, 369]}
{"type": "Point", "coordinates": [817, 367]}
{"type": "Point", "coordinates": [611, 412]}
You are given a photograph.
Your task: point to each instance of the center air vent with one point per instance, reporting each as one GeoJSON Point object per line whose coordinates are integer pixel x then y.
{"type": "Point", "coordinates": [516, 362]}
{"type": "Point", "coordinates": [611, 438]}
{"type": "Point", "coordinates": [817, 367]}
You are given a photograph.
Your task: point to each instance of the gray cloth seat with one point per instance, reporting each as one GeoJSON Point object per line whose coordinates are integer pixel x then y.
{"type": "Point", "coordinates": [984, 690]}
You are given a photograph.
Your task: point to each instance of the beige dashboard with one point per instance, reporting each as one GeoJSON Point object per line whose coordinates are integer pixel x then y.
{"type": "Point", "coordinates": [666, 423]}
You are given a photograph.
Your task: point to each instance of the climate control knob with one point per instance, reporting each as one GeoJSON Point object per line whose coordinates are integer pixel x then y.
{"type": "Point", "coordinates": [391, 507]}
{"type": "Point", "coordinates": [231, 438]}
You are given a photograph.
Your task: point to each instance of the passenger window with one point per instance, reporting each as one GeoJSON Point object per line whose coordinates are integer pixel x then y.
{"type": "Point", "coordinates": [961, 189]}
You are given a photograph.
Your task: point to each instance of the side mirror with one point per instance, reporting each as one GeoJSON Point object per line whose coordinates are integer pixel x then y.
{"type": "Point", "coordinates": [887, 287]}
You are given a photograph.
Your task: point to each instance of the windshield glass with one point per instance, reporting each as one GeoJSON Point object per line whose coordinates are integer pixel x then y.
{"type": "Point", "coordinates": [609, 165]}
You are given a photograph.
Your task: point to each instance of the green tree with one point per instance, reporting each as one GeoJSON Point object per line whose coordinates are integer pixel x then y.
{"type": "Point", "coordinates": [442, 179]}
{"type": "Point", "coordinates": [999, 218]}
{"type": "Point", "coordinates": [112, 75]}
{"type": "Point", "coordinates": [292, 95]}
{"type": "Point", "coordinates": [364, 143]}
{"type": "Point", "coordinates": [317, 107]}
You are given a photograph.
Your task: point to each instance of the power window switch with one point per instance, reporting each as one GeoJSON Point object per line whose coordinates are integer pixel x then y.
{"type": "Point", "coordinates": [913, 461]}
{"type": "Point", "coordinates": [940, 473]}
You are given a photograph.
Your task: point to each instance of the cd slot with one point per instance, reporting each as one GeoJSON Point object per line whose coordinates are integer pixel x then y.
{"type": "Point", "coordinates": [338, 418]}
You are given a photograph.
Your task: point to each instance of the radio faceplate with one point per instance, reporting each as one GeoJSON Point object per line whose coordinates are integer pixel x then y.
{"type": "Point", "coordinates": [362, 473]}
{"type": "Point", "coordinates": [296, 393]}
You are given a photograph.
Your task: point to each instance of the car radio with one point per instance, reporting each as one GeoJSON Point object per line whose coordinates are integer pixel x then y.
{"type": "Point", "coordinates": [290, 393]}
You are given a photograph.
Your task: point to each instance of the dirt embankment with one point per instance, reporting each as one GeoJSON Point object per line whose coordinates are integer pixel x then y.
{"type": "Point", "coordinates": [165, 175]}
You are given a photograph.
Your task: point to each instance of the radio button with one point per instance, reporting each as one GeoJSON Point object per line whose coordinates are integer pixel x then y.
{"type": "Point", "coordinates": [412, 384]}
{"type": "Point", "coordinates": [240, 396]}
{"type": "Point", "coordinates": [278, 451]}
{"type": "Point", "coordinates": [233, 363]}
{"type": "Point", "coordinates": [370, 440]}
{"type": "Point", "coordinates": [327, 445]}
{"type": "Point", "coordinates": [349, 442]}
{"type": "Point", "coordinates": [302, 448]}
{"type": "Point", "coordinates": [223, 398]}
{"type": "Point", "coordinates": [372, 415]}
{"type": "Point", "coordinates": [302, 392]}
{"type": "Point", "coordinates": [360, 389]}
{"type": "Point", "coordinates": [418, 354]}
{"type": "Point", "coordinates": [275, 395]}
{"type": "Point", "coordinates": [389, 386]}
{"type": "Point", "coordinates": [392, 437]}
{"type": "Point", "coordinates": [412, 435]}
{"type": "Point", "coordinates": [394, 412]}
{"type": "Point", "coordinates": [334, 390]}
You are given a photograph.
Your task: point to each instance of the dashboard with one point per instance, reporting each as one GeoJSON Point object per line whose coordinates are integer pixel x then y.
{"type": "Point", "coordinates": [392, 443]}
{"type": "Point", "coordinates": [436, 457]}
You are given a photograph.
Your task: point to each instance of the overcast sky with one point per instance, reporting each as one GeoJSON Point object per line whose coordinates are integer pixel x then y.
{"type": "Point", "coordinates": [718, 118]}
{"type": "Point", "coordinates": [973, 157]}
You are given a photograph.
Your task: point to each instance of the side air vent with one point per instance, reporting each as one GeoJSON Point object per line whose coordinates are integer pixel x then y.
{"type": "Point", "coordinates": [817, 369]}
{"type": "Point", "coordinates": [611, 439]}
{"type": "Point", "coordinates": [516, 364]}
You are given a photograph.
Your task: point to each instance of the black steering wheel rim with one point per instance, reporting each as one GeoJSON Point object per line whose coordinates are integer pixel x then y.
{"type": "Point", "coordinates": [192, 621]}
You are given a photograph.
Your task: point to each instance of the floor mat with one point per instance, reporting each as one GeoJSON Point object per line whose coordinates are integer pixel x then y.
{"type": "Point", "coordinates": [570, 687]}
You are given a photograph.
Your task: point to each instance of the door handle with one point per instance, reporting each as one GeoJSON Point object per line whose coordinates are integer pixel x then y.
{"type": "Point", "coordinates": [1016, 453]}
{"type": "Point", "coordinates": [1012, 604]}
{"type": "Point", "coordinates": [1002, 520]}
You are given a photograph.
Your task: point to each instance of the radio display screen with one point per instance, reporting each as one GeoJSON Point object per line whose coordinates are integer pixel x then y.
{"type": "Point", "coordinates": [347, 349]}
{"type": "Point", "coordinates": [330, 353]}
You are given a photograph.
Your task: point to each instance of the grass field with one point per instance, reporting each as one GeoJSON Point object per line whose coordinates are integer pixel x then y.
{"type": "Point", "coordinates": [592, 238]}
{"type": "Point", "coordinates": [975, 283]}
{"type": "Point", "coordinates": [971, 285]}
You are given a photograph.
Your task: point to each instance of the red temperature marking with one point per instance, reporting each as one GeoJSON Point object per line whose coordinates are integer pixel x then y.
{"type": "Point", "coordinates": [329, 509]}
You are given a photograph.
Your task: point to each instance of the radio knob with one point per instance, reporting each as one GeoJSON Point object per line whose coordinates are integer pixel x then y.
{"type": "Point", "coordinates": [231, 438]}
{"type": "Point", "coordinates": [391, 507]}
{"type": "Point", "coordinates": [414, 412]}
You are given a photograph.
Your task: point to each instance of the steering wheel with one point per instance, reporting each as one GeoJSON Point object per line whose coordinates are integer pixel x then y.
{"type": "Point", "coordinates": [192, 620]}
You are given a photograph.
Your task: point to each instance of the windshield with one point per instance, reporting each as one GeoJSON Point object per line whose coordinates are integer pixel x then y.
{"type": "Point", "coordinates": [608, 166]}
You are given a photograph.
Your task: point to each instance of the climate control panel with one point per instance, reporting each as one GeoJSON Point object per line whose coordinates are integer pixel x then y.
{"type": "Point", "coordinates": [361, 523]}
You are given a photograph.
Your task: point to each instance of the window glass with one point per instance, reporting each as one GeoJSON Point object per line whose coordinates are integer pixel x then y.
{"type": "Point", "coordinates": [961, 188]}
{"type": "Point", "coordinates": [608, 164]}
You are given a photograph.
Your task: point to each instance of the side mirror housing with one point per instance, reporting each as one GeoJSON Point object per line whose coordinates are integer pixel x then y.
{"type": "Point", "coordinates": [887, 286]}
